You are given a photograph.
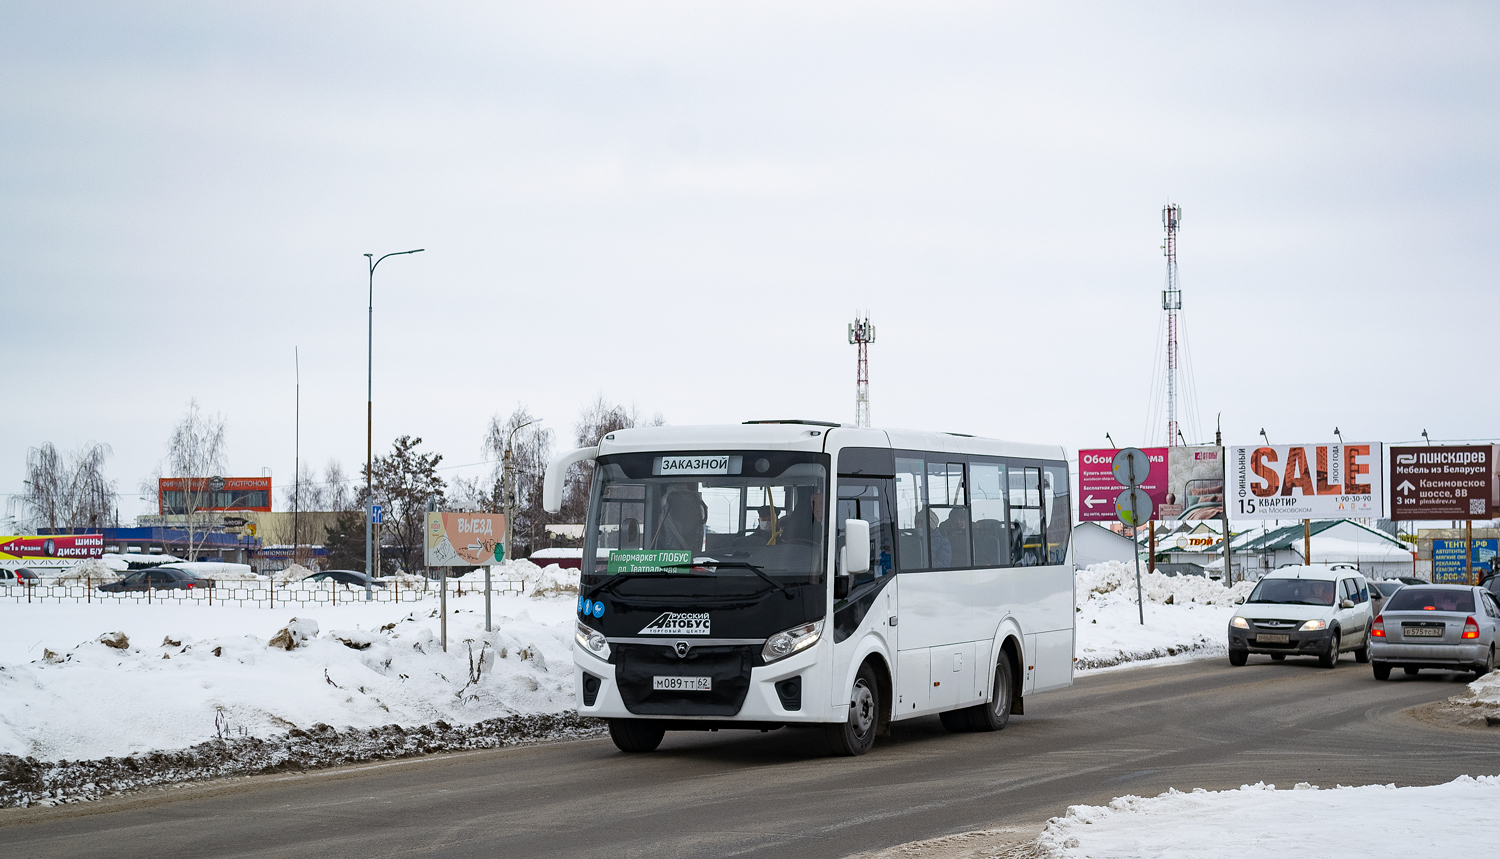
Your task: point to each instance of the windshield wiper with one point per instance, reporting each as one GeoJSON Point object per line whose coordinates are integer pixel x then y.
{"type": "Point", "coordinates": [620, 577]}
{"type": "Point", "coordinates": [740, 564]}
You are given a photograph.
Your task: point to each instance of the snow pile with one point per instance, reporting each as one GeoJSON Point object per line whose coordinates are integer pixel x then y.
{"type": "Point", "coordinates": [120, 562]}
{"type": "Point", "coordinates": [90, 572]}
{"type": "Point", "coordinates": [290, 573]}
{"type": "Point", "coordinates": [1260, 821]}
{"type": "Point", "coordinates": [188, 674]}
{"type": "Point", "coordinates": [1186, 616]}
{"type": "Point", "coordinates": [538, 581]}
{"type": "Point", "coordinates": [1478, 705]}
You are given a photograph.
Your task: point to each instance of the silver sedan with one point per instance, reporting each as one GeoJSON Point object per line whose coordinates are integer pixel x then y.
{"type": "Point", "coordinates": [1443, 627]}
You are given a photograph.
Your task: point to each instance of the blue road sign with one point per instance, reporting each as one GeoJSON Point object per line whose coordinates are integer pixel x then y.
{"type": "Point", "coordinates": [377, 514]}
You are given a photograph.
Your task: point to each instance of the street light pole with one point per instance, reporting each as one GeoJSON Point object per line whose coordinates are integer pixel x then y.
{"type": "Point", "coordinates": [509, 489]}
{"type": "Point", "coordinates": [370, 419]}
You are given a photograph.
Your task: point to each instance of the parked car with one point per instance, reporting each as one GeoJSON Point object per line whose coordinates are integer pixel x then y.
{"type": "Point", "coordinates": [1312, 610]}
{"type": "Point", "coordinates": [18, 576]}
{"type": "Point", "coordinates": [1491, 583]}
{"type": "Point", "coordinates": [1381, 591]}
{"type": "Point", "coordinates": [157, 579]}
{"type": "Point", "coordinates": [1444, 627]}
{"type": "Point", "coordinates": [346, 577]}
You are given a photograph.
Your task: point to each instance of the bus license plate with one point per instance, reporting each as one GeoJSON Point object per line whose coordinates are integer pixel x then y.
{"type": "Point", "coordinates": [1269, 638]}
{"type": "Point", "coordinates": [682, 684]}
{"type": "Point", "coordinates": [1431, 631]}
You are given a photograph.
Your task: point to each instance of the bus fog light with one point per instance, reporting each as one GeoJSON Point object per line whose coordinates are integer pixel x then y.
{"type": "Point", "coordinates": [798, 638]}
{"type": "Point", "coordinates": [593, 641]}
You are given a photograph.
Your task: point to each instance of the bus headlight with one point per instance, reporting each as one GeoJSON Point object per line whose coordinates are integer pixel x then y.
{"type": "Point", "coordinates": [784, 644]}
{"type": "Point", "coordinates": [593, 641]}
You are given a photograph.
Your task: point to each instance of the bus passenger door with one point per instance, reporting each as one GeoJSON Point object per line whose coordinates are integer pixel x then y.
{"type": "Point", "coordinates": [871, 602]}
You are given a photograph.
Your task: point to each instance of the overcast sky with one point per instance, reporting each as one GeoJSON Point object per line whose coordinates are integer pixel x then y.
{"type": "Point", "coordinates": [681, 206]}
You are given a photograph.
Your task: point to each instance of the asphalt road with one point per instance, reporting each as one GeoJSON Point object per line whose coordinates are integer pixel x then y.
{"type": "Point", "coordinates": [1200, 724]}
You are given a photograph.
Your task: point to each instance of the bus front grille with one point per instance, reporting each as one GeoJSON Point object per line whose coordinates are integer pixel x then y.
{"type": "Point", "coordinates": [727, 665]}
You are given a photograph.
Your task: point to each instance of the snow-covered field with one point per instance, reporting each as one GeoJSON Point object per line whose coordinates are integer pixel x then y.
{"type": "Point", "coordinates": [1453, 819]}
{"type": "Point", "coordinates": [191, 673]}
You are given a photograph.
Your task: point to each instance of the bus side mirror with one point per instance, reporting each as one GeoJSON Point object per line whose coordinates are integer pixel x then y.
{"type": "Point", "coordinates": [856, 546]}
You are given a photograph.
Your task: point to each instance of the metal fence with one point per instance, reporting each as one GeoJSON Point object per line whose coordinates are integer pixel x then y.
{"type": "Point", "coordinates": [249, 594]}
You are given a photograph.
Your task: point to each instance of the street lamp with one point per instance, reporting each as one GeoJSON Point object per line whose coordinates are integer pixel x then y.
{"type": "Point", "coordinates": [370, 421]}
{"type": "Point", "coordinates": [510, 490]}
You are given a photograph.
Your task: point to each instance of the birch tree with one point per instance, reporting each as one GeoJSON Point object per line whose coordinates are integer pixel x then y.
{"type": "Point", "coordinates": [66, 493]}
{"type": "Point", "coordinates": [196, 452]}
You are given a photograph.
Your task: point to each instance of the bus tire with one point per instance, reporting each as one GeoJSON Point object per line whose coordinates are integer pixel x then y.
{"type": "Point", "coordinates": [995, 715]}
{"type": "Point", "coordinates": [636, 735]}
{"type": "Point", "coordinates": [856, 734]}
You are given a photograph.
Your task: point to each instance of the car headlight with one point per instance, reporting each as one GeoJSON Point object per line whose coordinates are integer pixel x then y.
{"type": "Point", "coordinates": [1313, 626]}
{"type": "Point", "coordinates": [1239, 623]}
{"type": "Point", "coordinates": [593, 641]}
{"type": "Point", "coordinates": [784, 644]}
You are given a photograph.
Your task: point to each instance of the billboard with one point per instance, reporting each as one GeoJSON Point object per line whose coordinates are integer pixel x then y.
{"type": "Point", "coordinates": [465, 539]}
{"type": "Point", "coordinates": [1183, 483]}
{"type": "Point", "coordinates": [213, 493]}
{"type": "Point", "coordinates": [80, 547]}
{"type": "Point", "coordinates": [1446, 482]}
{"type": "Point", "coordinates": [1306, 481]}
{"type": "Point", "coordinates": [1449, 565]}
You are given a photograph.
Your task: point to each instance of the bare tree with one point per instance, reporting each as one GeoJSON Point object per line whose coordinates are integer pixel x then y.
{"type": "Point", "coordinates": [67, 494]}
{"type": "Point", "coordinates": [196, 452]}
{"type": "Point", "coordinates": [531, 449]}
{"type": "Point", "coordinates": [598, 419]}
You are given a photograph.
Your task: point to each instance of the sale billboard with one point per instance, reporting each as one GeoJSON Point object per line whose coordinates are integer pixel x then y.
{"type": "Point", "coordinates": [1183, 483]}
{"type": "Point", "coordinates": [1445, 482]}
{"type": "Point", "coordinates": [1306, 481]}
{"type": "Point", "coordinates": [465, 539]}
{"type": "Point", "coordinates": [79, 547]}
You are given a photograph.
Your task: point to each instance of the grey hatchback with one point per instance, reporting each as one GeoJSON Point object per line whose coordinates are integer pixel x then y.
{"type": "Point", "coordinates": [1443, 627]}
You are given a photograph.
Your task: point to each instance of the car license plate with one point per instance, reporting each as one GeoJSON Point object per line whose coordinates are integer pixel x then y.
{"type": "Point", "coordinates": [1270, 638]}
{"type": "Point", "coordinates": [682, 684]}
{"type": "Point", "coordinates": [1418, 631]}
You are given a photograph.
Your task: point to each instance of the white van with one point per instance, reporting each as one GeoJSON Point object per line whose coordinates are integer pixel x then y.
{"type": "Point", "coordinates": [1312, 610]}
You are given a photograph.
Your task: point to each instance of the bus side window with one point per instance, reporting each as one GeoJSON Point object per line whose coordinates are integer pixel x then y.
{"type": "Point", "coordinates": [868, 500]}
{"type": "Point", "coordinates": [1059, 526]}
{"type": "Point", "coordinates": [911, 516]}
{"type": "Point", "coordinates": [1025, 515]}
{"type": "Point", "coordinates": [987, 503]}
{"type": "Point", "coordinates": [948, 515]}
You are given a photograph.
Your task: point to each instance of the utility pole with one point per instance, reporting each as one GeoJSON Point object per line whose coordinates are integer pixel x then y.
{"type": "Point", "coordinates": [862, 334]}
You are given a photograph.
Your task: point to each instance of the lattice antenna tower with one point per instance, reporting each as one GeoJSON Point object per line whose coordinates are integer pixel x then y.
{"type": "Point", "coordinates": [1171, 302]}
{"type": "Point", "coordinates": [862, 334]}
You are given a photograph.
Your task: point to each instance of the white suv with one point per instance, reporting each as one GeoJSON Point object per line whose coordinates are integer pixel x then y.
{"type": "Point", "coordinates": [1314, 610]}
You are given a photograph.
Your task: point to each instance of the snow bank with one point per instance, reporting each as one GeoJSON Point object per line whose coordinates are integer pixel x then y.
{"type": "Point", "coordinates": [193, 673]}
{"type": "Point", "coordinates": [1186, 616]}
{"type": "Point", "coordinates": [90, 572]}
{"type": "Point", "coordinates": [1260, 821]}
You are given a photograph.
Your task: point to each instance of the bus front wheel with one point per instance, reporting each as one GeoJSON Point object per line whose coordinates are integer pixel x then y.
{"type": "Point", "coordinates": [856, 734]}
{"type": "Point", "coordinates": [635, 735]}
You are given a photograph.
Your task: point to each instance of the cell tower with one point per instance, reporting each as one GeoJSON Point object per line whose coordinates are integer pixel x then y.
{"type": "Point", "coordinates": [1171, 302]}
{"type": "Point", "coordinates": [862, 334]}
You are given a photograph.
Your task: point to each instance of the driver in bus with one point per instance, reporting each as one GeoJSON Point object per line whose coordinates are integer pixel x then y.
{"type": "Point", "coordinates": [804, 523]}
{"type": "Point", "coordinates": [683, 517]}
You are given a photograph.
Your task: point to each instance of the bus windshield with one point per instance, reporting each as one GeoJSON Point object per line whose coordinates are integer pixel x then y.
{"type": "Point", "coordinates": [749, 511]}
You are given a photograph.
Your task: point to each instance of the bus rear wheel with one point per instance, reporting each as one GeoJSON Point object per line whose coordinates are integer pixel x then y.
{"type": "Point", "coordinates": [856, 734]}
{"type": "Point", "coordinates": [635, 735]}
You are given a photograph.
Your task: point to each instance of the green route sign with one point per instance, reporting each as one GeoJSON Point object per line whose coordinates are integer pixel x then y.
{"type": "Point", "coordinates": [645, 560]}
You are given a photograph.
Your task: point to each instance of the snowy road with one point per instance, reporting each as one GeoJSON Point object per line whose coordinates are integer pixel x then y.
{"type": "Point", "coordinates": [1199, 724]}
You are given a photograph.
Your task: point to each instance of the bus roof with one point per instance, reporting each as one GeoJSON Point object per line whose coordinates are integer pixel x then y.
{"type": "Point", "coordinates": [811, 436]}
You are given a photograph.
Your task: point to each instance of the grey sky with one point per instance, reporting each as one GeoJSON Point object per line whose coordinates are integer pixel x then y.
{"type": "Point", "coordinates": [682, 205]}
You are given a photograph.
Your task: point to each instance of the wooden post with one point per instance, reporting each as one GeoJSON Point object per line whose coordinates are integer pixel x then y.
{"type": "Point", "coordinates": [1307, 541]}
{"type": "Point", "coordinates": [1469, 551]}
{"type": "Point", "coordinates": [1151, 565]}
{"type": "Point", "coordinates": [443, 609]}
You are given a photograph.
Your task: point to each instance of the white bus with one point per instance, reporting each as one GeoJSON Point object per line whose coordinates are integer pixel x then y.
{"type": "Point", "coordinates": [722, 594]}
